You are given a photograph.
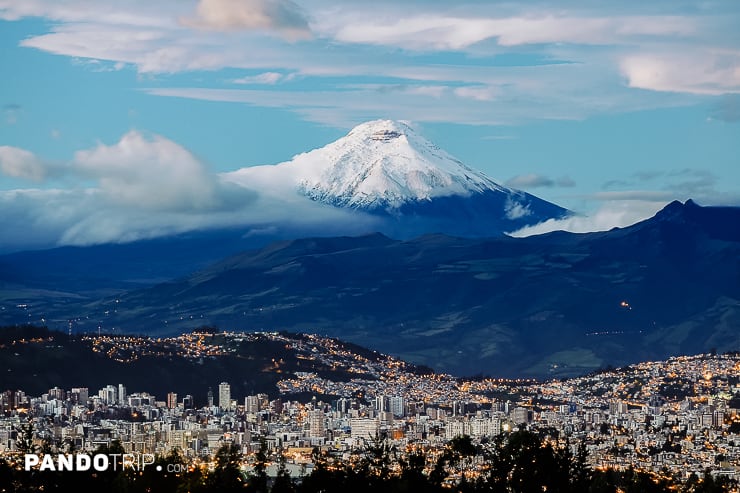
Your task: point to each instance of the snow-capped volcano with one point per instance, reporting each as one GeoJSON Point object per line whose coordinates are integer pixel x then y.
{"type": "Point", "coordinates": [386, 168]}
{"type": "Point", "coordinates": [384, 164]}
{"type": "Point", "coordinates": [378, 164]}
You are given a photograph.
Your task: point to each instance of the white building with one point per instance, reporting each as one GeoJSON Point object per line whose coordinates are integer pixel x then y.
{"type": "Point", "coordinates": [224, 396]}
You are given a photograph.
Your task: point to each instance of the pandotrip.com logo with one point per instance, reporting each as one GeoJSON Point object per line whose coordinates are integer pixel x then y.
{"type": "Point", "coordinates": [87, 462]}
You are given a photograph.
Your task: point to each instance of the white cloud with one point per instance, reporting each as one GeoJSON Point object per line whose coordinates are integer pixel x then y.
{"type": "Point", "coordinates": [516, 210]}
{"type": "Point", "coordinates": [133, 12]}
{"type": "Point", "coordinates": [20, 163]}
{"type": "Point", "coordinates": [282, 16]}
{"type": "Point", "coordinates": [439, 31]}
{"type": "Point", "coordinates": [609, 52]}
{"type": "Point", "coordinates": [519, 101]}
{"type": "Point", "coordinates": [707, 71]}
{"type": "Point", "coordinates": [621, 208]}
{"type": "Point", "coordinates": [146, 187]}
{"type": "Point", "coordinates": [476, 93]}
{"type": "Point", "coordinates": [268, 78]}
{"type": "Point", "coordinates": [151, 173]}
{"type": "Point", "coordinates": [615, 213]}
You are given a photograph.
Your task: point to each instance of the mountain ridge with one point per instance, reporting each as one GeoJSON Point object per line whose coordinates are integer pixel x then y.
{"type": "Point", "coordinates": [548, 305]}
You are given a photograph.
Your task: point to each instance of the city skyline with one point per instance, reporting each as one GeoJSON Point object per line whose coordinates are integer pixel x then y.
{"type": "Point", "coordinates": [671, 418]}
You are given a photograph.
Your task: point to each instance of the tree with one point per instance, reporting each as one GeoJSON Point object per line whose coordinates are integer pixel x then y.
{"type": "Point", "coordinates": [227, 475]}
{"type": "Point", "coordinates": [526, 462]}
{"type": "Point", "coordinates": [162, 476]}
{"type": "Point", "coordinates": [322, 478]}
{"type": "Point", "coordinates": [258, 477]}
{"type": "Point", "coordinates": [24, 442]}
{"type": "Point", "coordinates": [412, 473]}
{"type": "Point", "coordinates": [283, 483]}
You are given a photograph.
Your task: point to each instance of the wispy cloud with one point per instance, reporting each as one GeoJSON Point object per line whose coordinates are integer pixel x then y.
{"type": "Point", "coordinates": [533, 180]}
{"type": "Point", "coordinates": [439, 31]}
{"type": "Point", "coordinates": [353, 104]}
{"type": "Point", "coordinates": [267, 78]}
{"type": "Point", "coordinates": [589, 61]}
{"type": "Point", "coordinates": [12, 112]}
{"type": "Point", "coordinates": [727, 108]}
{"type": "Point", "coordinates": [682, 184]}
{"type": "Point", "coordinates": [481, 93]}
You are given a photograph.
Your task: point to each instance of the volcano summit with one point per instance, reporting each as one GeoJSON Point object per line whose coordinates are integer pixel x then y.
{"type": "Point", "coordinates": [386, 169]}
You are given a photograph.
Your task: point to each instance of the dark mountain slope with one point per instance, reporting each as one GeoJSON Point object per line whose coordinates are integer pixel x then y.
{"type": "Point", "coordinates": [551, 304]}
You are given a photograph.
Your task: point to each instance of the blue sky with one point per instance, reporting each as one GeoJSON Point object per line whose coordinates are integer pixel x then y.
{"type": "Point", "coordinates": [611, 109]}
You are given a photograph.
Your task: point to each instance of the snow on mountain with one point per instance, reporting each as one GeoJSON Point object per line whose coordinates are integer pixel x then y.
{"type": "Point", "coordinates": [380, 164]}
{"type": "Point", "coordinates": [385, 169]}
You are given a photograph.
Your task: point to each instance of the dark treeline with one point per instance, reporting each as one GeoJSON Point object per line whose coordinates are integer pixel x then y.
{"type": "Point", "coordinates": [522, 462]}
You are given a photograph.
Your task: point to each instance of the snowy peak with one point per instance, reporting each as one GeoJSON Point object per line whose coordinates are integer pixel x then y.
{"type": "Point", "coordinates": [381, 130]}
{"type": "Point", "coordinates": [382, 165]}
{"type": "Point", "coordinates": [385, 168]}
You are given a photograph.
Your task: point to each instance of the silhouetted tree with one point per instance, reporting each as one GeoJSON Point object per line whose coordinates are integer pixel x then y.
{"type": "Point", "coordinates": [24, 442]}
{"type": "Point", "coordinates": [258, 477]}
{"type": "Point", "coordinates": [227, 475]}
{"type": "Point", "coordinates": [324, 477]}
{"type": "Point", "coordinates": [283, 482]}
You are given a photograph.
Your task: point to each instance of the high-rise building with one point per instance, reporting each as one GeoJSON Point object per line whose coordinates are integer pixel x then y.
{"type": "Point", "coordinates": [121, 394]}
{"type": "Point", "coordinates": [57, 393]}
{"type": "Point", "coordinates": [264, 401]}
{"type": "Point", "coordinates": [224, 396]}
{"type": "Point", "coordinates": [364, 428]}
{"type": "Point", "coordinates": [80, 395]}
{"type": "Point", "coordinates": [316, 420]}
{"type": "Point", "coordinates": [521, 415]}
{"type": "Point", "coordinates": [251, 404]}
{"type": "Point", "coordinates": [397, 406]}
{"type": "Point", "coordinates": [343, 405]}
{"type": "Point", "coordinates": [188, 402]}
{"type": "Point", "coordinates": [382, 403]}
{"type": "Point", "coordinates": [718, 419]}
{"type": "Point", "coordinates": [172, 400]}
{"type": "Point", "coordinates": [276, 406]}
{"type": "Point", "coordinates": [108, 394]}
{"type": "Point", "coordinates": [210, 397]}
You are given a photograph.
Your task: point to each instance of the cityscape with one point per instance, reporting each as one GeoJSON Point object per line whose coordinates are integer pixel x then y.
{"type": "Point", "coordinates": [322, 246]}
{"type": "Point", "coordinates": [673, 418]}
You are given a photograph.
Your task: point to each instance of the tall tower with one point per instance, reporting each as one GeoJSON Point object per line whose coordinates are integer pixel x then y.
{"type": "Point", "coordinates": [224, 396]}
{"type": "Point", "coordinates": [251, 404]}
{"type": "Point", "coordinates": [316, 423]}
{"type": "Point", "coordinates": [210, 397]}
{"type": "Point", "coordinates": [397, 406]}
